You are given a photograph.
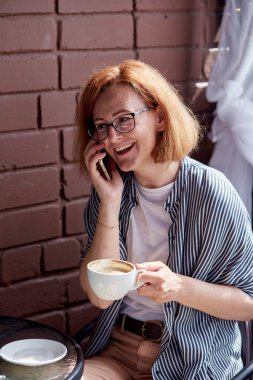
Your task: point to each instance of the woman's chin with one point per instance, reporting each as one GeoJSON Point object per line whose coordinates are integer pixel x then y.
{"type": "Point", "coordinates": [126, 167]}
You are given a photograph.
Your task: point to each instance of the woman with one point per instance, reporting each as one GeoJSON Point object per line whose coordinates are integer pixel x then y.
{"type": "Point", "coordinates": [174, 217]}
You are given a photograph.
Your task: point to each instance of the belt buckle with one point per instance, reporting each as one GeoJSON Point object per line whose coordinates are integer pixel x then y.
{"type": "Point", "coordinates": [143, 328]}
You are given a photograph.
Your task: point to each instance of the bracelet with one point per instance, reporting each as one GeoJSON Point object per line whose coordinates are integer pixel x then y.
{"type": "Point", "coordinates": [104, 225]}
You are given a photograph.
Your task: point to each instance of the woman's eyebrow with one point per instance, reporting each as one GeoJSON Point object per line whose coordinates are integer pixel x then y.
{"type": "Point", "coordinates": [114, 114]}
{"type": "Point", "coordinates": [120, 111]}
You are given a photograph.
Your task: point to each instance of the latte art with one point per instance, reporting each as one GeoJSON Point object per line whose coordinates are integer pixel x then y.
{"type": "Point", "coordinates": [112, 270]}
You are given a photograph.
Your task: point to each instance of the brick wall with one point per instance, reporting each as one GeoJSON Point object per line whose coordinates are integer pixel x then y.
{"type": "Point", "coordinates": [48, 49]}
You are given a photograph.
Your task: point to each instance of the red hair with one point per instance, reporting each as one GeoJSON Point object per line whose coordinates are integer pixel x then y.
{"type": "Point", "coordinates": [182, 129]}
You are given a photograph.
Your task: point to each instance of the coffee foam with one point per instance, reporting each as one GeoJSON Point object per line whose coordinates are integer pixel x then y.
{"type": "Point", "coordinates": [111, 267]}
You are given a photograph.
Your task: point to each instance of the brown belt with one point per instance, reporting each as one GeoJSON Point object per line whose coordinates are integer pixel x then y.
{"type": "Point", "coordinates": [149, 330]}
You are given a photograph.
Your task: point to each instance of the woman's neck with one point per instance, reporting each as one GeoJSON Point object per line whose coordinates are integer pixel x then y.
{"type": "Point", "coordinates": [158, 175]}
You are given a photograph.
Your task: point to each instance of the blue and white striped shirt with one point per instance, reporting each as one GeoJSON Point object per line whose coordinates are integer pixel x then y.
{"type": "Point", "coordinates": [211, 240]}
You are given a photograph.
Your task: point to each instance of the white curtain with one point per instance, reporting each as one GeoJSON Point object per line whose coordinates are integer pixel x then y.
{"type": "Point", "coordinates": [231, 86]}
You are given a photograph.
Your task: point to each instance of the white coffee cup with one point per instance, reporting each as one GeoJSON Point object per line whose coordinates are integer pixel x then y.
{"type": "Point", "coordinates": [112, 279]}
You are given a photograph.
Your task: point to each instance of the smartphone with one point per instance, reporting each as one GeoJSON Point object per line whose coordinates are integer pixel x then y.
{"type": "Point", "coordinates": [103, 169]}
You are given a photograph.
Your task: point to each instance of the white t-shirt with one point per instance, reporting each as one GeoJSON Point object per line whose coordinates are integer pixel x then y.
{"type": "Point", "coordinates": [147, 240]}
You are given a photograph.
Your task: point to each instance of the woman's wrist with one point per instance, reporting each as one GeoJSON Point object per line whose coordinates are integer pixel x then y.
{"type": "Point", "coordinates": [110, 207]}
{"type": "Point", "coordinates": [107, 226]}
{"type": "Point", "coordinates": [108, 215]}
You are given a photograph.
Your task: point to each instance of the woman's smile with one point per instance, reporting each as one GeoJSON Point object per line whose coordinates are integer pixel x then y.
{"type": "Point", "coordinates": [125, 155]}
{"type": "Point", "coordinates": [123, 149]}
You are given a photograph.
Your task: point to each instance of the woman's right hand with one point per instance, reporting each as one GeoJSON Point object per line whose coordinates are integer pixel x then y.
{"type": "Point", "coordinates": [108, 191]}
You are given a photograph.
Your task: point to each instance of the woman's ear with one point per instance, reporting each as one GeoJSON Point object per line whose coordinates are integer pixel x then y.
{"type": "Point", "coordinates": [160, 119]}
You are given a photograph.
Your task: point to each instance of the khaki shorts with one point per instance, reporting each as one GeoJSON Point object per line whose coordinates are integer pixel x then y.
{"type": "Point", "coordinates": [127, 356]}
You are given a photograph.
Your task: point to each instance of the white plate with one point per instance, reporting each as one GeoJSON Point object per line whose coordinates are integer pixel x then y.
{"type": "Point", "coordinates": [33, 352]}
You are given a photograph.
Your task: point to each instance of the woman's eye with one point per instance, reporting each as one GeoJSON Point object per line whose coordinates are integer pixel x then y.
{"type": "Point", "coordinates": [124, 118]}
{"type": "Point", "coordinates": [100, 127]}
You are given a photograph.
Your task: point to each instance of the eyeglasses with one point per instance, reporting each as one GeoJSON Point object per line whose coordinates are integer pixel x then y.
{"type": "Point", "coordinates": [123, 124]}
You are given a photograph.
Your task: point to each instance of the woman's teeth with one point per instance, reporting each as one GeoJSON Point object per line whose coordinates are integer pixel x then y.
{"type": "Point", "coordinates": [123, 148]}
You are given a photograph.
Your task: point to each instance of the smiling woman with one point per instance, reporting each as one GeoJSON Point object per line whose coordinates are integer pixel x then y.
{"type": "Point", "coordinates": [180, 222]}
{"type": "Point", "coordinates": [181, 127]}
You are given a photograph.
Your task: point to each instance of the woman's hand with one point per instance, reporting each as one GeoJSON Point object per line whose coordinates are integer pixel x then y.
{"type": "Point", "coordinates": [221, 301]}
{"type": "Point", "coordinates": [161, 284]}
{"type": "Point", "coordinates": [107, 190]}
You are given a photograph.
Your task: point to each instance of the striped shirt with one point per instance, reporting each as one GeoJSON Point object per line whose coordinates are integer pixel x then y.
{"type": "Point", "coordinates": [211, 240]}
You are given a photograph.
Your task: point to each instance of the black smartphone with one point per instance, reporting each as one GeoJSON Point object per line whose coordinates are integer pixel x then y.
{"type": "Point", "coordinates": [103, 168]}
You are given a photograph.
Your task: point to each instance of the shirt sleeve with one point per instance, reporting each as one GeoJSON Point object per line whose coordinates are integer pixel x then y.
{"type": "Point", "coordinates": [228, 238]}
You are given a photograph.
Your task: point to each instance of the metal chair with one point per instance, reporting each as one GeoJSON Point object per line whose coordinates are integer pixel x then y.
{"type": "Point", "coordinates": [247, 346]}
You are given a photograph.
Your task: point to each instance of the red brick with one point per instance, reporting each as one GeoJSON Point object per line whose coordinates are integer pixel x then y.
{"type": "Point", "coordinates": [68, 143]}
{"type": "Point", "coordinates": [169, 29]}
{"type": "Point", "coordinates": [55, 319]}
{"type": "Point", "coordinates": [28, 149]}
{"type": "Point", "coordinates": [152, 5]}
{"type": "Point", "coordinates": [29, 187]}
{"type": "Point", "coordinates": [26, 6]}
{"type": "Point", "coordinates": [18, 112]}
{"type": "Point", "coordinates": [32, 297]}
{"type": "Point", "coordinates": [61, 254]}
{"type": "Point", "coordinates": [74, 291]}
{"type": "Point", "coordinates": [87, 6]}
{"type": "Point", "coordinates": [77, 67]}
{"type": "Point", "coordinates": [80, 316]}
{"type": "Point", "coordinates": [39, 72]}
{"type": "Point", "coordinates": [75, 185]}
{"type": "Point", "coordinates": [20, 263]}
{"type": "Point", "coordinates": [17, 34]}
{"type": "Point", "coordinates": [74, 223]}
{"type": "Point", "coordinates": [177, 64]}
{"type": "Point", "coordinates": [83, 32]}
{"type": "Point", "coordinates": [83, 240]}
{"type": "Point", "coordinates": [58, 108]}
{"type": "Point", "coordinates": [29, 225]}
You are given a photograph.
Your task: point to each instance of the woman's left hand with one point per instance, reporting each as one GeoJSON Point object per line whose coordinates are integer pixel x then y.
{"type": "Point", "coordinates": [221, 301]}
{"type": "Point", "coordinates": [161, 284]}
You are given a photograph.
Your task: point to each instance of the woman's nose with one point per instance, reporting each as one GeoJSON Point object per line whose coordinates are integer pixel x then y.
{"type": "Point", "coordinates": [113, 134]}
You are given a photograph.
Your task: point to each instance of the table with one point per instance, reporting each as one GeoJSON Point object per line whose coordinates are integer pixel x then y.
{"type": "Point", "coordinates": [68, 368]}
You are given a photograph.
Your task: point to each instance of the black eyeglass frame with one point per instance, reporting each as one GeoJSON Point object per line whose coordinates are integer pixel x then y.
{"type": "Point", "coordinates": [133, 114]}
